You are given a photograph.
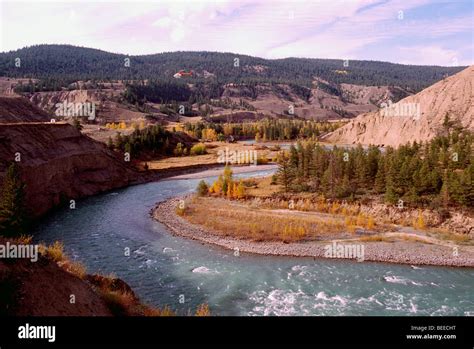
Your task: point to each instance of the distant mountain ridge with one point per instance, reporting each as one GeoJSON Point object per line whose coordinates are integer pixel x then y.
{"type": "Point", "coordinates": [79, 63]}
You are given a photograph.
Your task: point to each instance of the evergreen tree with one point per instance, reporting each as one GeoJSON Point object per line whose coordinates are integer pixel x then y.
{"type": "Point", "coordinates": [77, 124]}
{"type": "Point", "coordinates": [110, 143]}
{"type": "Point", "coordinates": [285, 173]}
{"type": "Point", "coordinates": [379, 185]}
{"type": "Point", "coordinates": [13, 211]}
{"type": "Point", "coordinates": [202, 188]}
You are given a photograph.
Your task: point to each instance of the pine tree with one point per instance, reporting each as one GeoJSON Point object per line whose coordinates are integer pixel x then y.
{"type": "Point", "coordinates": [468, 186]}
{"type": "Point", "coordinates": [224, 185]}
{"type": "Point", "coordinates": [128, 148]}
{"type": "Point", "coordinates": [13, 211]}
{"type": "Point", "coordinates": [285, 173]}
{"type": "Point", "coordinates": [77, 124]}
{"type": "Point", "coordinates": [202, 188]}
{"type": "Point", "coordinates": [110, 143]}
{"type": "Point", "coordinates": [379, 184]}
{"type": "Point", "coordinates": [390, 194]}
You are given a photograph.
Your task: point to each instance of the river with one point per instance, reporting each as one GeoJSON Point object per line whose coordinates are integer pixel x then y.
{"type": "Point", "coordinates": [167, 270]}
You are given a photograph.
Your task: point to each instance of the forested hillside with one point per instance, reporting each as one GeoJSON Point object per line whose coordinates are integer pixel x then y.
{"type": "Point", "coordinates": [60, 64]}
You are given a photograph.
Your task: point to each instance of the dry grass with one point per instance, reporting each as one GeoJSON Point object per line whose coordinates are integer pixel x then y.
{"type": "Point", "coordinates": [414, 239]}
{"type": "Point", "coordinates": [120, 303]}
{"type": "Point", "coordinates": [166, 311]}
{"type": "Point", "coordinates": [24, 240]}
{"type": "Point", "coordinates": [207, 159]}
{"type": "Point", "coordinates": [203, 310]}
{"type": "Point", "coordinates": [180, 211]}
{"type": "Point", "coordinates": [309, 203]}
{"type": "Point", "coordinates": [76, 268]}
{"type": "Point", "coordinates": [261, 187]}
{"type": "Point", "coordinates": [235, 219]}
{"type": "Point", "coordinates": [449, 236]}
{"type": "Point", "coordinates": [55, 253]}
{"type": "Point", "coordinates": [376, 238]}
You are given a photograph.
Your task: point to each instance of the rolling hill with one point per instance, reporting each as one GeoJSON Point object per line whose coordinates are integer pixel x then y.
{"type": "Point", "coordinates": [79, 63]}
{"type": "Point", "coordinates": [222, 83]}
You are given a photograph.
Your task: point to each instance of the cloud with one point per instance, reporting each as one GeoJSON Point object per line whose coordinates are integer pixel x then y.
{"type": "Point", "coordinates": [343, 29]}
{"type": "Point", "coordinates": [430, 55]}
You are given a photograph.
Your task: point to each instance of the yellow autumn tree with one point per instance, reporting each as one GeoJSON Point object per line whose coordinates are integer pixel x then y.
{"type": "Point", "coordinates": [209, 134]}
{"type": "Point", "coordinates": [240, 190]}
{"type": "Point", "coordinates": [257, 137]}
{"type": "Point", "coordinates": [419, 222]}
{"type": "Point", "coordinates": [360, 220]}
{"type": "Point", "coordinates": [228, 129]}
{"type": "Point", "coordinates": [370, 223]}
{"type": "Point", "coordinates": [234, 190]}
{"type": "Point", "coordinates": [217, 185]}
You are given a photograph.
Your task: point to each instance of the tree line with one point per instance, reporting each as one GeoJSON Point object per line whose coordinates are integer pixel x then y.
{"type": "Point", "coordinates": [154, 140]}
{"type": "Point", "coordinates": [438, 173]}
{"type": "Point", "coordinates": [262, 130]}
{"type": "Point", "coordinates": [80, 63]}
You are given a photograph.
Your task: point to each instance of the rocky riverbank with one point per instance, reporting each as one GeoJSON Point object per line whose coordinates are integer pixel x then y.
{"type": "Point", "coordinates": [402, 252]}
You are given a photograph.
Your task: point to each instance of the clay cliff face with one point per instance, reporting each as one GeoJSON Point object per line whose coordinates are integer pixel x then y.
{"type": "Point", "coordinates": [321, 105]}
{"type": "Point", "coordinates": [58, 163]}
{"type": "Point", "coordinates": [19, 109]}
{"type": "Point", "coordinates": [415, 118]}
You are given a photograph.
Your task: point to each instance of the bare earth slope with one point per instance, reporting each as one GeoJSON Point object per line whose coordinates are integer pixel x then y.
{"type": "Point", "coordinates": [19, 109]}
{"type": "Point", "coordinates": [453, 96]}
{"type": "Point", "coordinates": [59, 163]}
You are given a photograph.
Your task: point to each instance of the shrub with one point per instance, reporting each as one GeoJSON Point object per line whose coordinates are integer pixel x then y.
{"type": "Point", "coordinates": [198, 149]}
{"type": "Point", "coordinates": [55, 251]}
{"type": "Point", "coordinates": [240, 191]}
{"type": "Point", "coordinates": [203, 310]}
{"type": "Point", "coordinates": [178, 151]}
{"type": "Point", "coordinates": [202, 188]}
{"type": "Point", "coordinates": [419, 223]}
{"type": "Point", "coordinates": [75, 268]}
{"type": "Point", "coordinates": [374, 238]}
{"type": "Point", "coordinates": [118, 302]}
{"type": "Point", "coordinates": [274, 180]}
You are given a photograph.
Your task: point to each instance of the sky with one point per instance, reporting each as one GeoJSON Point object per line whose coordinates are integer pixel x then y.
{"type": "Point", "coordinates": [424, 32]}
